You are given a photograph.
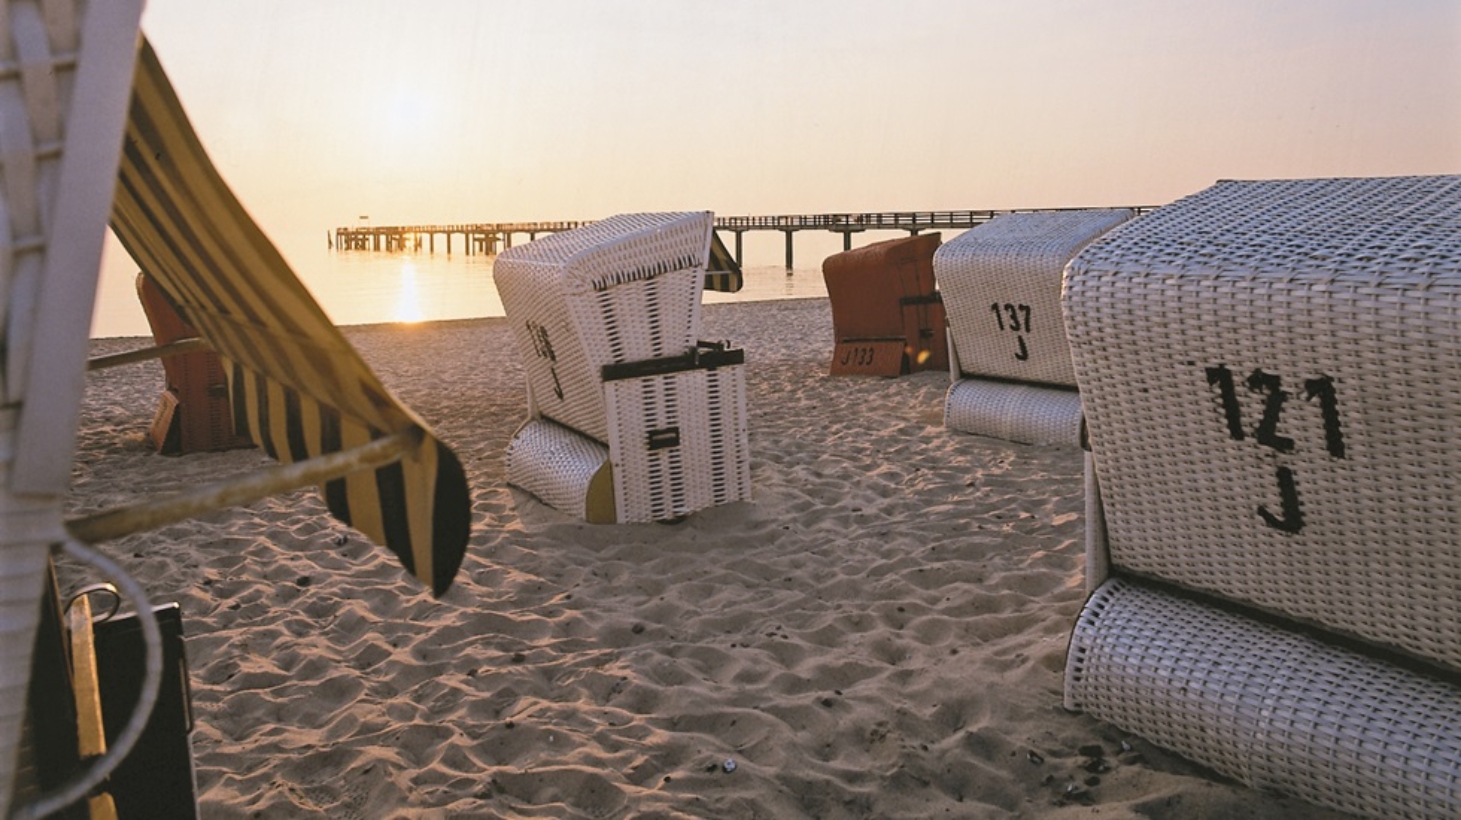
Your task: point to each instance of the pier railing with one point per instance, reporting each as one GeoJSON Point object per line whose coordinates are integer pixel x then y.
{"type": "Point", "coordinates": [489, 237]}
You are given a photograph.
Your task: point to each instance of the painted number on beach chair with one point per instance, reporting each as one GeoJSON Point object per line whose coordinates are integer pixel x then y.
{"type": "Point", "coordinates": [544, 349]}
{"type": "Point", "coordinates": [1267, 431]}
{"type": "Point", "coordinates": [859, 356]}
{"type": "Point", "coordinates": [1018, 323]}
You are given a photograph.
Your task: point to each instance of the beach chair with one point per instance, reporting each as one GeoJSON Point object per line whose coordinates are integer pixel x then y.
{"type": "Point", "coordinates": [193, 413]}
{"type": "Point", "coordinates": [887, 314]}
{"type": "Point", "coordinates": [1009, 363]}
{"type": "Point", "coordinates": [68, 94]}
{"type": "Point", "coordinates": [1270, 373]}
{"type": "Point", "coordinates": [632, 417]}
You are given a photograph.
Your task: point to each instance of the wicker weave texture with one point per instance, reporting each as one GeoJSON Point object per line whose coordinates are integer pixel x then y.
{"type": "Point", "coordinates": [555, 464]}
{"type": "Point", "coordinates": [39, 45]}
{"type": "Point", "coordinates": [1267, 706]}
{"type": "Point", "coordinates": [1271, 373]}
{"type": "Point", "coordinates": [37, 71]}
{"type": "Point", "coordinates": [1001, 290]}
{"type": "Point", "coordinates": [1026, 413]}
{"type": "Point", "coordinates": [618, 290]}
{"type": "Point", "coordinates": [679, 442]}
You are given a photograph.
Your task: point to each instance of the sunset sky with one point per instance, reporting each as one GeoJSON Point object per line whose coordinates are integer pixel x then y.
{"type": "Point", "coordinates": [320, 111]}
{"type": "Point", "coordinates": [475, 110]}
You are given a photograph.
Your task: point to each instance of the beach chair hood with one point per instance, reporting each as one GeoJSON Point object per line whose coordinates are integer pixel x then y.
{"type": "Point", "coordinates": [295, 383]}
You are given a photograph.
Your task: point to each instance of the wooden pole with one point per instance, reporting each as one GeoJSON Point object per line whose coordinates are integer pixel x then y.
{"type": "Point", "coordinates": [245, 489]}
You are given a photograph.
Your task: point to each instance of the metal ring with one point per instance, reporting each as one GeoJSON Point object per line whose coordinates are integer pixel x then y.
{"type": "Point", "coordinates": [92, 589]}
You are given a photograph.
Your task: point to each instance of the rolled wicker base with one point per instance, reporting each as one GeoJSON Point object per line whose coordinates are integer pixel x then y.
{"type": "Point", "coordinates": [566, 470]}
{"type": "Point", "coordinates": [1272, 708]}
{"type": "Point", "coordinates": [1024, 413]}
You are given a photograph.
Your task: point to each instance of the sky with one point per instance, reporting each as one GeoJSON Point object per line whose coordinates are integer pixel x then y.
{"type": "Point", "coordinates": [320, 111]}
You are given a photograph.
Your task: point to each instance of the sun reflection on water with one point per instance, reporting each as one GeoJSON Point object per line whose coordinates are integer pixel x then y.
{"type": "Point", "coordinates": [408, 302]}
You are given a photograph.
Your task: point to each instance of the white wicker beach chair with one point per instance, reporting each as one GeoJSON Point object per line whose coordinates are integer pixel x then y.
{"type": "Point", "coordinates": [1008, 358]}
{"type": "Point", "coordinates": [632, 417]}
{"type": "Point", "coordinates": [1272, 380]}
{"type": "Point", "coordinates": [68, 94]}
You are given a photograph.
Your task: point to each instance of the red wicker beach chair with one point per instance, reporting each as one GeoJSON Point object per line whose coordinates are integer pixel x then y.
{"type": "Point", "coordinates": [887, 314]}
{"type": "Point", "coordinates": [193, 414]}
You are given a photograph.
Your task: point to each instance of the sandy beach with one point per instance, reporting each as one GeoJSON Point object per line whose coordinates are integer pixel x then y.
{"type": "Point", "coordinates": [879, 633]}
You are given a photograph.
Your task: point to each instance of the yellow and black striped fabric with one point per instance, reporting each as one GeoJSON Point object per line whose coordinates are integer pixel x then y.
{"type": "Point", "coordinates": [296, 385]}
{"type": "Point", "coordinates": [722, 273]}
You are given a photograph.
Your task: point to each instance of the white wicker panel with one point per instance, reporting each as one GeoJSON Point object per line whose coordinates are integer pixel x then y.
{"type": "Point", "coordinates": [711, 463]}
{"type": "Point", "coordinates": [1271, 373]}
{"type": "Point", "coordinates": [1001, 289]}
{"type": "Point", "coordinates": [65, 67]}
{"type": "Point", "coordinates": [1025, 413]}
{"type": "Point", "coordinates": [622, 289]}
{"type": "Point", "coordinates": [555, 464]}
{"type": "Point", "coordinates": [1267, 706]}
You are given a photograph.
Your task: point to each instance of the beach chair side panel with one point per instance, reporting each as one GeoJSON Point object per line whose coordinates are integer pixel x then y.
{"type": "Point", "coordinates": [1276, 425]}
{"type": "Point", "coordinates": [1001, 288]}
{"type": "Point", "coordinates": [679, 442]}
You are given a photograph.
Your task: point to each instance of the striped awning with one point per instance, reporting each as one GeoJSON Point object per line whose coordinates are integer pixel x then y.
{"type": "Point", "coordinates": [296, 384]}
{"type": "Point", "coordinates": [722, 273]}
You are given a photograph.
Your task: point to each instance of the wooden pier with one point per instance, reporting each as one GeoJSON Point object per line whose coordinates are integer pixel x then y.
{"type": "Point", "coordinates": [490, 237]}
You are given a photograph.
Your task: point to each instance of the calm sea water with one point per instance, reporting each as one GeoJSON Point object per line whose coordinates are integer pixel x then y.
{"type": "Point", "coordinates": [367, 287]}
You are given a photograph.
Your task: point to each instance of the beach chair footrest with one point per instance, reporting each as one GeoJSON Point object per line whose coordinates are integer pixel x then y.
{"type": "Point", "coordinates": [1028, 414]}
{"type": "Point", "coordinates": [565, 469]}
{"type": "Point", "coordinates": [1271, 707]}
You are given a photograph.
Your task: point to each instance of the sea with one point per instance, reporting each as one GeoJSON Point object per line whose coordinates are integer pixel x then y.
{"type": "Point", "coordinates": [372, 287]}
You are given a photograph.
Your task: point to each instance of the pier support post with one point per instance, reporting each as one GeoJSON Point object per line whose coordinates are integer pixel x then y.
{"type": "Point", "coordinates": [846, 241]}
{"type": "Point", "coordinates": [739, 234]}
{"type": "Point", "coordinates": [788, 249]}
